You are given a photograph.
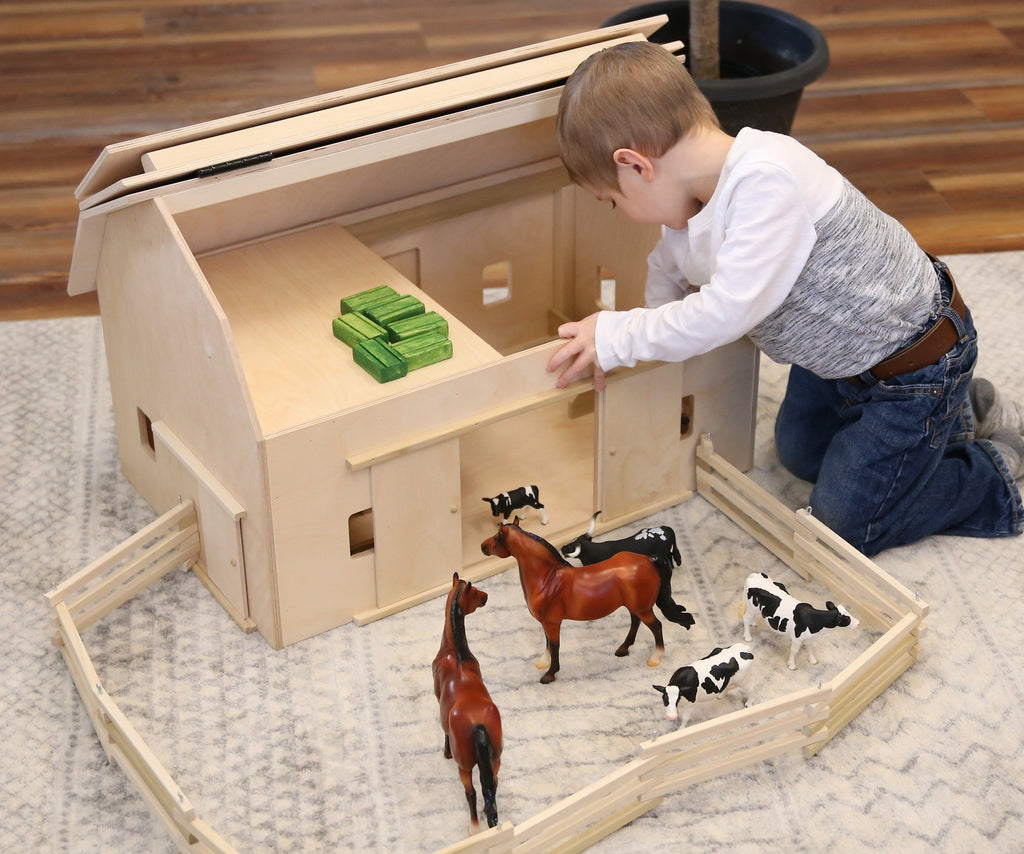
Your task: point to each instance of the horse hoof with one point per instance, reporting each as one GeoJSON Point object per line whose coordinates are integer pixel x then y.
{"type": "Point", "coordinates": [547, 678]}
{"type": "Point", "coordinates": [622, 651]}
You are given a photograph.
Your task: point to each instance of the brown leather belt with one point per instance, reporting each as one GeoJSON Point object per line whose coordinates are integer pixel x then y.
{"type": "Point", "coordinates": [927, 349]}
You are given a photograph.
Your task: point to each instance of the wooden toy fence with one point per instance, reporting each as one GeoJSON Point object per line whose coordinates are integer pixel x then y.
{"type": "Point", "coordinates": [804, 719]}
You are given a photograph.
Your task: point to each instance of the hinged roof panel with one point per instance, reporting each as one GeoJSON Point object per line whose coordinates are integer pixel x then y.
{"type": "Point", "coordinates": [164, 157]}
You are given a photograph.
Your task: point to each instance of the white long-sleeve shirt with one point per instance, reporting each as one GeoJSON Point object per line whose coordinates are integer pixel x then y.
{"type": "Point", "coordinates": [788, 252]}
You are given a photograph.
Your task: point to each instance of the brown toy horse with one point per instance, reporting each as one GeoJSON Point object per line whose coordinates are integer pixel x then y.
{"type": "Point", "coordinates": [469, 718]}
{"type": "Point", "coordinates": [555, 590]}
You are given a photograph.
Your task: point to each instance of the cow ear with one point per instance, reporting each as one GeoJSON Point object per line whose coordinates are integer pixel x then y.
{"type": "Point", "coordinates": [660, 688]}
{"type": "Point", "coordinates": [831, 606]}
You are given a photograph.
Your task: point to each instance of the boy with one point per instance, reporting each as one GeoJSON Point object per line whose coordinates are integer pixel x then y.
{"type": "Point", "coordinates": [761, 237]}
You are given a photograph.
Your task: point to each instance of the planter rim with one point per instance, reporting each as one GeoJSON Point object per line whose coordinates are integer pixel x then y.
{"type": "Point", "coordinates": [760, 86]}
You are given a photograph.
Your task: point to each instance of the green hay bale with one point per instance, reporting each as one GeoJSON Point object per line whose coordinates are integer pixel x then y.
{"type": "Point", "coordinates": [419, 324]}
{"type": "Point", "coordinates": [364, 299]}
{"type": "Point", "coordinates": [422, 350]}
{"type": "Point", "coordinates": [379, 360]}
{"type": "Point", "coordinates": [389, 312]}
{"type": "Point", "coordinates": [354, 327]}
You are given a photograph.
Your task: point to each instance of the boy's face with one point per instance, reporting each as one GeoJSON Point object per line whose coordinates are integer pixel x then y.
{"type": "Point", "coordinates": [670, 189]}
{"type": "Point", "coordinates": [652, 203]}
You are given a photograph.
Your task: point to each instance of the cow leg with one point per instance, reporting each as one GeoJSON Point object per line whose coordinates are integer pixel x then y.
{"type": "Point", "coordinates": [684, 718]}
{"type": "Point", "coordinates": [739, 685]}
{"type": "Point", "coordinates": [634, 625]}
{"type": "Point", "coordinates": [749, 618]}
{"type": "Point", "coordinates": [794, 648]}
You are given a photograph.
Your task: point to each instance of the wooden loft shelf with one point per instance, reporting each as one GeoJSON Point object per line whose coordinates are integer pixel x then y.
{"type": "Point", "coordinates": [284, 292]}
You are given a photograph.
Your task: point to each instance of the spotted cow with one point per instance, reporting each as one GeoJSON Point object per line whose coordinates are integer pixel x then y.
{"type": "Point", "coordinates": [521, 498]}
{"type": "Point", "coordinates": [659, 541]}
{"type": "Point", "coordinates": [785, 614]}
{"type": "Point", "coordinates": [722, 668]}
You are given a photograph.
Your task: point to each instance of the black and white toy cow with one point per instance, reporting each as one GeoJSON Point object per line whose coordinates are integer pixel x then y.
{"type": "Point", "coordinates": [522, 498]}
{"type": "Point", "coordinates": [653, 542]}
{"type": "Point", "coordinates": [722, 668]}
{"type": "Point", "coordinates": [787, 615]}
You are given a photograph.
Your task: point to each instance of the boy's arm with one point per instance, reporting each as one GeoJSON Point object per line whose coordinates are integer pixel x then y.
{"type": "Point", "coordinates": [768, 236]}
{"type": "Point", "coordinates": [665, 281]}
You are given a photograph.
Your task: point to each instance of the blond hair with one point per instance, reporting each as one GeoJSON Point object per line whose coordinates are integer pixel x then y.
{"type": "Point", "coordinates": [632, 95]}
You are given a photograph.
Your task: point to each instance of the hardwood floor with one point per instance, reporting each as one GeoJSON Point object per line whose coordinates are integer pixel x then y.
{"type": "Point", "coordinates": [922, 106]}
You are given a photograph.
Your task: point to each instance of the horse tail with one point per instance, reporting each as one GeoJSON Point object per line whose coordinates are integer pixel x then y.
{"type": "Point", "coordinates": [488, 783]}
{"type": "Point", "coordinates": [669, 607]}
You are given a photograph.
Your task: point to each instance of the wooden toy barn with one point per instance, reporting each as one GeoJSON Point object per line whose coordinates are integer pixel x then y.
{"type": "Point", "coordinates": [220, 254]}
{"type": "Point", "coordinates": [306, 494]}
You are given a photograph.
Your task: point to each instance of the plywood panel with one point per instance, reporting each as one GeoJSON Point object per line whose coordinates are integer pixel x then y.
{"type": "Point", "coordinates": [606, 241]}
{"type": "Point", "coordinates": [641, 453]}
{"type": "Point", "coordinates": [551, 447]}
{"type": "Point", "coordinates": [220, 519]}
{"type": "Point", "coordinates": [322, 578]}
{"type": "Point", "coordinates": [456, 254]}
{"type": "Point", "coordinates": [723, 384]}
{"type": "Point", "coordinates": [389, 108]}
{"type": "Point", "coordinates": [122, 159]}
{"type": "Point", "coordinates": [170, 355]}
{"type": "Point", "coordinates": [417, 521]}
{"type": "Point", "coordinates": [280, 297]}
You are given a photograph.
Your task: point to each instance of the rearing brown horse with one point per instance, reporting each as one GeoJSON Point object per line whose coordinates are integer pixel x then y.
{"type": "Point", "coordinates": [469, 718]}
{"type": "Point", "coordinates": [555, 590]}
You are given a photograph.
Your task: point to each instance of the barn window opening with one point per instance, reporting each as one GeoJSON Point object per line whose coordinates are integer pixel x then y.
{"type": "Point", "coordinates": [686, 417]}
{"type": "Point", "coordinates": [605, 289]}
{"type": "Point", "coordinates": [497, 282]}
{"type": "Point", "coordinates": [360, 532]}
{"type": "Point", "coordinates": [582, 404]}
{"type": "Point", "coordinates": [146, 432]}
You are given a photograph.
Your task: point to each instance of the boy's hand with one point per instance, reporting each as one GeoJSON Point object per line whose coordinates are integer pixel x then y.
{"type": "Point", "coordinates": [578, 354]}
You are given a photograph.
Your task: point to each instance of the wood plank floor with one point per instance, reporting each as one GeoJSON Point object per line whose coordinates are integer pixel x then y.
{"type": "Point", "coordinates": [922, 106]}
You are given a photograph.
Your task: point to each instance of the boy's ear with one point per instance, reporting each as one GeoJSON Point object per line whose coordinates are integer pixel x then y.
{"type": "Point", "coordinates": [629, 159]}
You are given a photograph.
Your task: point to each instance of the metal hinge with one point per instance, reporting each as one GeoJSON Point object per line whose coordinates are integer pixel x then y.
{"type": "Point", "coordinates": [232, 165]}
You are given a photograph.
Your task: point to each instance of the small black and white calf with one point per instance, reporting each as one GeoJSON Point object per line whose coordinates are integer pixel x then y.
{"type": "Point", "coordinates": [521, 498]}
{"type": "Point", "coordinates": [783, 613]}
{"type": "Point", "coordinates": [722, 668]}
{"type": "Point", "coordinates": [653, 542]}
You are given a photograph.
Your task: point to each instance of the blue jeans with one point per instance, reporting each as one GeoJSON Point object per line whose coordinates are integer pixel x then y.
{"type": "Point", "coordinates": [896, 460]}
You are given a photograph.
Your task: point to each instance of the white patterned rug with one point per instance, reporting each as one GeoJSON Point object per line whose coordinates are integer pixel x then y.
{"type": "Point", "coordinates": [333, 744]}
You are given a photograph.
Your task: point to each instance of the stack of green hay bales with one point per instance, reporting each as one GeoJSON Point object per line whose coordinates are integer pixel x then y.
{"type": "Point", "coordinates": [390, 333]}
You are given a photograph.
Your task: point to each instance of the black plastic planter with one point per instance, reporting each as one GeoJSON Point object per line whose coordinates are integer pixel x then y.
{"type": "Point", "coordinates": [767, 58]}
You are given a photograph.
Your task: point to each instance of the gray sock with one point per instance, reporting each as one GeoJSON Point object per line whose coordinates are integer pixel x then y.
{"type": "Point", "coordinates": [992, 411]}
{"type": "Point", "coordinates": [1010, 445]}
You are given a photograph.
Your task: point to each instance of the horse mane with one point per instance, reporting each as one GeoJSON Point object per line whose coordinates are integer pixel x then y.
{"type": "Point", "coordinates": [555, 554]}
{"type": "Point", "coordinates": [457, 620]}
